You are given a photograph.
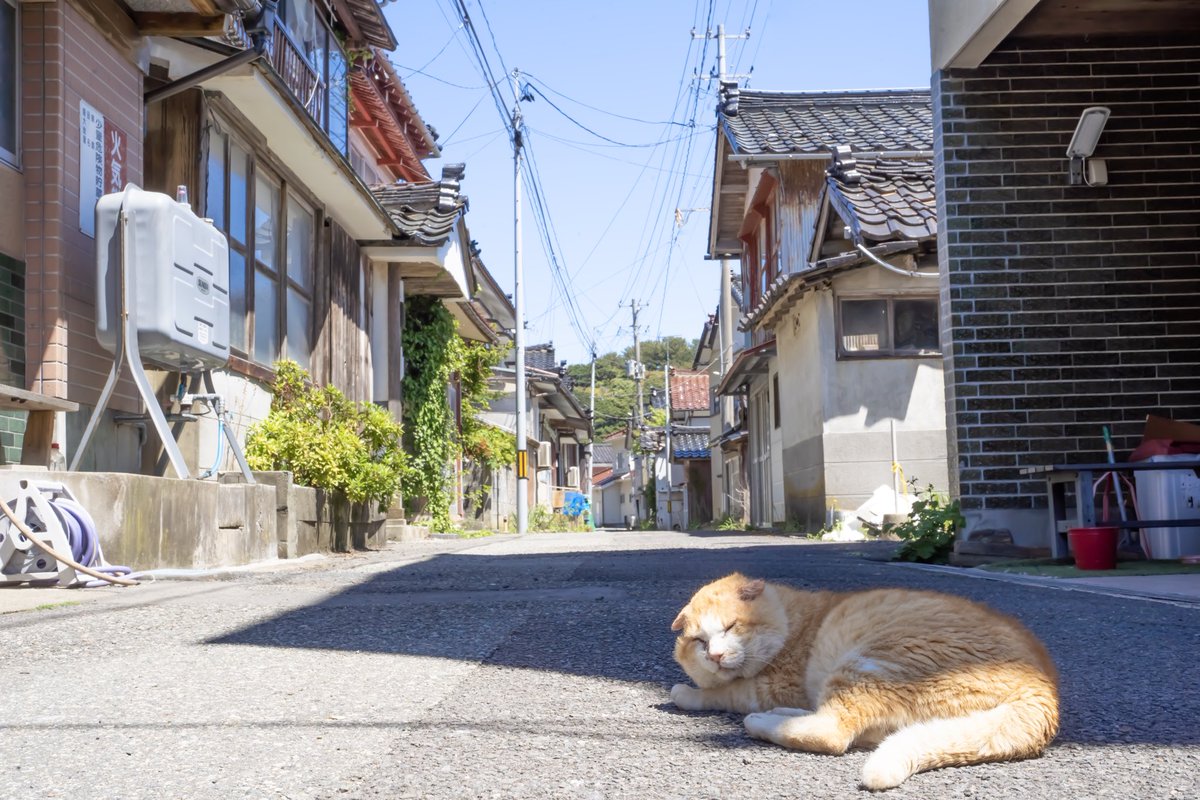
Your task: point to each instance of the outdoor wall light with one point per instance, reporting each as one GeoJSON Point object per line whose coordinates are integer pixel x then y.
{"type": "Point", "coordinates": [1083, 144]}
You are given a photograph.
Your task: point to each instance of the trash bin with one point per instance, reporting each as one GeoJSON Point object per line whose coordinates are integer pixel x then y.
{"type": "Point", "coordinates": [630, 522]}
{"type": "Point", "coordinates": [1169, 494]}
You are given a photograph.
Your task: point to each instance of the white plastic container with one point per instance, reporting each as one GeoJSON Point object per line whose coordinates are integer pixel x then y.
{"type": "Point", "coordinates": [178, 267]}
{"type": "Point", "coordinates": [1169, 494]}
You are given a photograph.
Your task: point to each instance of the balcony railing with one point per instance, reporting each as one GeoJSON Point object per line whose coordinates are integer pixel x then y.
{"type": "Point", "coordinates": [305, 82]}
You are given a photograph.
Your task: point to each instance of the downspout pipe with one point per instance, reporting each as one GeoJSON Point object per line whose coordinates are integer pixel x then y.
{"type": "Point", "coordinates": [259, 29]}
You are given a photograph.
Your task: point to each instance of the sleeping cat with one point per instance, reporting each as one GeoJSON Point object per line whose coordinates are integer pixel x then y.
{"type": "Point", "coordinates": [929, 680]}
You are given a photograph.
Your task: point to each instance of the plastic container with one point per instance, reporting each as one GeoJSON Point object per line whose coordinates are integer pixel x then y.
{"type": "Point", "coordinates": [1094, 548]}
{"type": "Point", "coordinates": [178, 268]}
{"type": "Point", "coordinates": [1169, 494]}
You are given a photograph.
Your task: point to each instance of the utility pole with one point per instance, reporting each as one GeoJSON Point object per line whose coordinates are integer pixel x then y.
{"type": "Point", "coordinates": [519, 303]}
{"type": "Point", "coordinates": [638, 372]}
{"type": "Point", "coordinates": [588, 452]}
{"type": "Point", "coordinates": [667, 398]}
{"type": "Point", "coordinates": [639, 472]}
{"type": "Point", "coordinates": [721, 37]}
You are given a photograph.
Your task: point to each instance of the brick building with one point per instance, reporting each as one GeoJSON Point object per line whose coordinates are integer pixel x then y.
{"type": "Point", "coordinates": [279, 120]}
{"type": "Point", "coordinates": [1066, 306]}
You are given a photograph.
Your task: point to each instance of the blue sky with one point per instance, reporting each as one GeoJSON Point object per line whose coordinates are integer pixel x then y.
{"type": "Point", "coordinates": [622, 134]}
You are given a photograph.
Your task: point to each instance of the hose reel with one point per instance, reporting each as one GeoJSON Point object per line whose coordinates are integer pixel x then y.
{"type": "Point", "coordinates": [52, 514]}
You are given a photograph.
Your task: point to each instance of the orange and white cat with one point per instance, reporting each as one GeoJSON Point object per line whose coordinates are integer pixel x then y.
{"type": "Point", "coordinates": [929, 680]}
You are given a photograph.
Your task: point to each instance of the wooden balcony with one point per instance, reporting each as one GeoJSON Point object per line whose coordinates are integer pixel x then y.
{"type": "Point", "coordinates": [290, 64]}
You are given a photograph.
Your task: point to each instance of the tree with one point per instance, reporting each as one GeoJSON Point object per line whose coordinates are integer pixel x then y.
{"type": "Point", "coordinates": [616, 393]}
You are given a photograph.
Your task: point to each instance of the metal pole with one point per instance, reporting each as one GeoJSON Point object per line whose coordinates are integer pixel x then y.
{"type": "Point", "coordinates": [638, 464]}
{"type": "Point", "coordinates": [667, 399]}
{"type": "Point", "coordinates": [589, 451]}
{"type": "Point", "coordinates": [519, 303]}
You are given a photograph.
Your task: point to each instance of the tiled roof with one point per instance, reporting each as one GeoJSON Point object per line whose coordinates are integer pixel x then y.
{"type": "Point", "coordinates": [784, 123]}
{"type": "Point", "coordinates": [603, 454]}
{"type": "Point", "coordinates": [541, 356]}
{"type": "Point", "coordinates": [600, 474]}
{"type": "Point", "coordinates": [367, 16]}
{"type": "Point", "coordinates": [690, 442]}
{"type": "Point", "coordinates": [689, 390]}
{"type": "Point", "coordinates": [884, 198]}
{"type": "Point", "coordinates": [425, 212]}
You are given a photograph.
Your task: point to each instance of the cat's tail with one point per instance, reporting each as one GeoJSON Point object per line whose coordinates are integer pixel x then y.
{"type": "Point", "coordinates": [1019, 728]}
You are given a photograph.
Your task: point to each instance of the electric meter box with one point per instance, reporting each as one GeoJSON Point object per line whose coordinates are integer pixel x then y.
{"type": "Point", "coordinates": [177, 267]}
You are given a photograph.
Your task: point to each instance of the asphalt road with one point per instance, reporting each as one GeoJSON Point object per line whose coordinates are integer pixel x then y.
{"type": "Point", "coordinates": [530, 667]}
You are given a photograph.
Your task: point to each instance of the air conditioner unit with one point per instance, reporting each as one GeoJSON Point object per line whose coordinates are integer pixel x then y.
{"type": "Point", "coordinates": [543, 455]}
{"type": "Point", "coordinates": [573, 477]}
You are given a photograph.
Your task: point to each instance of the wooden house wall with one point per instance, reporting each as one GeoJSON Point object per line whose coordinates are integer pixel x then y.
{"type": "Point", "coordinates": [341, 311]}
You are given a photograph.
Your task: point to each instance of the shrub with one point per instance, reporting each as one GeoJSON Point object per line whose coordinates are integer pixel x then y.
{"type": "Point", "coordinates": [326, 441]}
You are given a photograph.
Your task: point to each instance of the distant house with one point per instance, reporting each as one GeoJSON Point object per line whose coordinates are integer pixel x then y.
{"type": "Point", "coordinates": [691, 411]}
{"type": "Point", "coordinates": [827, 200]}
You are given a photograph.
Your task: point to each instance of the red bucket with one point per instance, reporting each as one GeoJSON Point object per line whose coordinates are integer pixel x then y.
{"type": "Point", "coordinates": [1094, 548]}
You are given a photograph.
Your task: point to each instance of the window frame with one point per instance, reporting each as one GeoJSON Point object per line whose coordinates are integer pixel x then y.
{"type": "Point", "coordinates": [13, 158]}
{"type": "Point", "coordinates": [889, 299]}
{"type": "Point", "coordinates": [257, 164]}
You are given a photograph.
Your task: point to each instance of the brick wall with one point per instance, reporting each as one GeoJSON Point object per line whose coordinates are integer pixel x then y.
{"type": "Point", "coordinates": [65, 59]}
{"type": "Point", "coordinates": [1065, 308]}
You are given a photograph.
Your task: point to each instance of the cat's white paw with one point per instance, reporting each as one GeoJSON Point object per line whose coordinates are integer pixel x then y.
{"type": "Point", "coordinates": [686, 697]}
{"type": "Point", "coordinates": [886, 769]}
{"type": "Point", "coordinates": [762, 724]}
{"type": "Point", "coordinates": [782, 711]}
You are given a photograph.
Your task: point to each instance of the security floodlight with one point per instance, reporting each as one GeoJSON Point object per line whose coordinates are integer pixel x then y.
{"type": "Point", "coordinates": [1083, 144]}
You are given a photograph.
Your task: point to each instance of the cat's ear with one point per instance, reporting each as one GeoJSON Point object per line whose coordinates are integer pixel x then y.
{"type": "Point", "coordinates": [677, 625]}
{"type": "Point", "coordinates": [751, 589]}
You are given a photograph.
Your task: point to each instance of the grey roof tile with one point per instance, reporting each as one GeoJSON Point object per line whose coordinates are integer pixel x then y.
{"type": "Point", "coordinates": [690, 442]}
{"type": "Point", "coordinates": [784, 123]}
{"type": "Point", "coordinates": [885, 198]}
{"type": "Point", "coordinates": [425, 212]}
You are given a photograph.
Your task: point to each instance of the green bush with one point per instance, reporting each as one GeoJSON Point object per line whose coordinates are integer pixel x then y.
{"type": "Point", "coordinates": [928, 533]}
{"type": "Point", "coordinates": [326, 441]}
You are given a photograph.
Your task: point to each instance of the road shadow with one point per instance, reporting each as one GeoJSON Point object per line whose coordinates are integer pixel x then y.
{"type": "Point", "coordinates": [1128, 668]}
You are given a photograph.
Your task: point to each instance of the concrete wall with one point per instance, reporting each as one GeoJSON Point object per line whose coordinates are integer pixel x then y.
{"type": "Point", "coordinates": [148, 523]}
{"type": "Point", "coordinates": [841, 417]}
{"type": "Point", "coordinates": [1066, 308]}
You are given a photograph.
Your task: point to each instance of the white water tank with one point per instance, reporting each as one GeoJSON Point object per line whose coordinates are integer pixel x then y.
{"type": "Point", "coordinates": [178, 269]}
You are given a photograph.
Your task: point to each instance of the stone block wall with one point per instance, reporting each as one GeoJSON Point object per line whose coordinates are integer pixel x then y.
{"type": "Point", "coordinates": [1065, 308]}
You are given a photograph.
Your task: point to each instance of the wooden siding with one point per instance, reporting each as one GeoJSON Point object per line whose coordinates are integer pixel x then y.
{"type": "Point", "coordinates": [341, 355]}
{"type": "Point", "coordinates": [174, 144]}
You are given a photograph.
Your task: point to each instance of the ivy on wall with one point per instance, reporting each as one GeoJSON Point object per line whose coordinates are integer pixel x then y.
{"type": "Point", "coordinates": [432, 354]}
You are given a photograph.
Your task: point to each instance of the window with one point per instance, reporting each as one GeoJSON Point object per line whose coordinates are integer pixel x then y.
{"type": "Point", "coordinates": [888, 326]}
{"type": "Point", "coordinates": [272, 247]}
{"type": "Point", "coordinates": [9, 89]}
{"type": "Point", "coordinates": [775, 398]}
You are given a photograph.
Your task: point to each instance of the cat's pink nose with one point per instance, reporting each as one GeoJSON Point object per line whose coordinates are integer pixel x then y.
{"type": "Point", "coordinates": [716, 657]}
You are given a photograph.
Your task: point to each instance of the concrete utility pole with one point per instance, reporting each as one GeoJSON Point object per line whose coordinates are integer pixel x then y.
{"type": "Point", "coordinates": [637, 361]}
{"type": "Point", "coordinates": [519, 304]}
{"type": "Point", "coordinates": [721, 37]}
{"type": "Point", "coordinates": [588, 451]}
{"type": "Point", "coordinates": [667, 401]}
{"type": "Point", "coordinates": [636, 433]}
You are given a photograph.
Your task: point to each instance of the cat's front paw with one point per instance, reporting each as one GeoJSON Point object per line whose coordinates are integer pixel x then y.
{"type": "Point", "coordinates": [687, 698]}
